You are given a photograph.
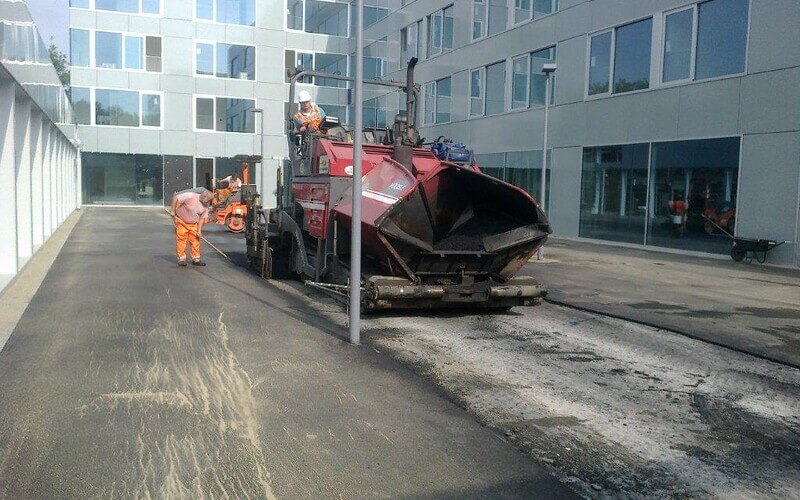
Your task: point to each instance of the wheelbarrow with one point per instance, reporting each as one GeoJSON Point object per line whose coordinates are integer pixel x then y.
{"type": "Point", "coordinates": [748, 248]}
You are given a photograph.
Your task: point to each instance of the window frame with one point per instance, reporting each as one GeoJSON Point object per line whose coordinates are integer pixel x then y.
{"type": "Point", "coordinates": [214, 98]}
{"type": "Point", "coordinates": [313, 54]}
{"type": "Point", "coordinates": [350, 15]}
{"type": "Point", "coordinates": [440, 13]}
{"type": "Point", "coordinates": [482, 76]}
{"type": "Point", "coordinates": [506, 87]}
{"type": "Point", "coordinates": [436, 101]}
{"type": "Point", "coordinates": [92, 8]}
{"type": "Point", "coordinates": [213, 74]}
{"type": "Point", "coordinates": [528, 65]}
{"type": "Point", "coordinates": [214, 15]}
{"type": "Point", "coordinates": [485, 22]}
{"type": "Point", "coordinates": [141, 93]}
{"type": "Point", "coordinates": [123, 63]}
{"type": "Point", "coordinates": [404, 42]}
{"type": "Point", "coordinates": [652, 83]}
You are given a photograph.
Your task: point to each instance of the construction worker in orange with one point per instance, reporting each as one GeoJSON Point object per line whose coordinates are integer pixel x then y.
{"type": "Point", "coordinates": [310, 115]}
{"type": "Point", "coordinates": [189, 211]}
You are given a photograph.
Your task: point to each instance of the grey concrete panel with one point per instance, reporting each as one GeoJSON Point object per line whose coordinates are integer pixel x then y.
{"type": "Point", "coordinates": [768, 197]}
{"type": "Point", "coordinates": [88, 137]}
{"type": "Point", "coordinates": [709, 109]}
{"type": "Point", "coordinates": [178, 83]}
{"type": "Point", "coordinates": [300, 41]}
{"type": "Point", "coordinates": [144, 81]}
{"type": "Point", "coordinates": [271, 38]}
{"type": "Point", "coordinates": [210, 144]}
{"type": "Point", "coordinates": [240, 34]}
{"type": "Point", "coordinates": [113, 139]}
{"type": "Point", "coordinates": [112, 21]}
{"type": "Point", "coordinates": [82, 18]}
{"type": "Point", "coordinates": [178, 112]}
{"type": "Point", "coordinates": [571, 60]}
{"type": "Point", "coordinates": [270, 64]}
{"type": "Point", "coordinates": [773, 35]}
{"type": "Point", "coordinates": [239, 88]}
{"type": "Point", "coordinates": [654, 115]}
{"type": "Point", "coordinates": [771, 102]}
{"type": "Point", "coordinates": [271, 91]}
{"type": "Point", "coordinates": [179, 56]}
{"type": "Point", "coordinates": [110, 78]}
{"type": "Point", "coordinates": [608, 119]}
{"type": "Point", "coordinates": [330, 44]}
{"type": "Point", "coordinates": [146, 25]}
{"type": "Point", "coordinates": [178, 143]}
{"type": "Point", "coordinates": [178, 28]}
{"type": "Point", "coordinates": [210, 86]}
{"type": "Point", "coordinates": [567, 125]}
{"type": "Point", "coordinates": [82, 77]}
{"type": "Point", "coordinates": [145, 141]}
{"type": "Point", "coordinates": [178, 10]}
{"type": "Point", "coordinates": [236, 144]}
{"type": "Point", "coordinates": [565, 189]}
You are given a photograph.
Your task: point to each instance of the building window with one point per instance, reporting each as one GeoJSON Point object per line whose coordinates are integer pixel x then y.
{"type": "Point", "coordinates": [520, 168]}
{"type": "Point", "coordinates": [108, 50]}
{"type": "Point", "coordinates": [539, 79]}
{"type": "Point", "coordinates": [328, 63]}
{"type": "Point", "coordinates": [317, 16]}
{"type": "Point", "coordinates": [122, 179]}
{"type": "Point", "coordinates": [495, 88]}
{"type": "Point", "coordinates": [80, 4]}
{"type": "Point", "coordinates": [706, 40]}
{"type": "Point", "coordinates": [153, 54]}
{"type": "Point", "coordinates": [79, 47]}
{"type": "Point", "coordinates": [131, 6]}
{"type": "Point", "coordinates": [519, 82]}
{"type": "Point", "coordinates": [429, 103]}
{"type": "Point", "coordinates": [82, 105]}
{"type": "Point", "coordinates": [409, 42]}
{"type": "Point", "coordinates": [443, 99]}
{"type": "Point", "coordinates": [225, 60]}
{"type": "Point", "coordinates": [118, 108]}
{"type": "Point", "coordinates": [477, 79]}
{"type": "Point", "coordinates": [375, 68]}
{"type": "Point", "coordinates": [497, 16]}
{"type": "Point", "coordinates": [224, 114]}
{"type": "Point", "coordinates": [525, 10]}
{"type": "Point", "coordinates": [621, 201]}
{"type": "Point", "coordinates": [125, 6]}
{"type": "Point", "coordinates": [241, 12]}
{"type": "Point", "coordinates": [479, 15]}
{"type": "Point", "coordinates": [631, 46]}
{"type": "Point", "coordinates": [440, 31]}
{"type": "Point", "coordinates": [371, 15]}
{"type": "Point", "coordinates": [133, 52]}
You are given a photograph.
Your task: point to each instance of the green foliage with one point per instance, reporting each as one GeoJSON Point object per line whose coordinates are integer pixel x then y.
{"type": "Point", "coordinates": [60, 62]}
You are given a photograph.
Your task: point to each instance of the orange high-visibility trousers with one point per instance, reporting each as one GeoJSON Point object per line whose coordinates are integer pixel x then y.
{"type": "Point", "coordinates": [187, 233]}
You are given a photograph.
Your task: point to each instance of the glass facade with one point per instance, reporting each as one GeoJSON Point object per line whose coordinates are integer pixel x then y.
{"type": "Point", "coordinates": [539, 79]}
{"type": "Point", "coordinates": [721, 37]}
{"type": "Point", "coordinates": [108, 50]}
{"type": "Point", "coordinates": [632, 56]}
{"type": "Point", "coordinates": [236, 61]}
{"type": "Point", "coordinates": [122, 179]}
{"type": "Point", "coordinates": [614, 193]}
{"type": "Point", "coordinates": [131, 6]}
{"type": "Point", "coordinates": [678, 45]}
{"type": "Point", "coordinates": [520, 168]}
{"type": "Point", "coordinates": [79, 47]}
{"type": "Point", "coordinates": [495, 88]}
{"type": "Point", "coordinates": [678, 194]}
{"type": "Point", "coordinates": [82, 105]}
{"type": "Point", "coordinates": [331, 63]}
{"type": "Point", "coordinates": [227, 11]}
{"type": "Point", "coordinates": [599, 63]}
{"type": "Point", "coordinates": [327, 18]}
{"type": "Point", "coordinates": [117, 107]}
{"type": "Point", "coordinates": [443, 97]}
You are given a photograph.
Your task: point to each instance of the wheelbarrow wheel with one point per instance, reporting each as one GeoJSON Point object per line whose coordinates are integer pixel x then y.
{"type": "Point", "coordinates": [737, 254]}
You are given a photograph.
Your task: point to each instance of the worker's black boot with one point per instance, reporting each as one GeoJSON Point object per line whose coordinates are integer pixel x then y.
{"type": "Point", "coordinates": [182, 263]}
{"type": "Point", "coordinates": [198, 263]}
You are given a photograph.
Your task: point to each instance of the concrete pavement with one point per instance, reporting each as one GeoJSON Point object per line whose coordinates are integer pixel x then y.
{"type": "Point", "coordinates": [130, 377]}
{"type": "Point", "coordinates": [752, 308]}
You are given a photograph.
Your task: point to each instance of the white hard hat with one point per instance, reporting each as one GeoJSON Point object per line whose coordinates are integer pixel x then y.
{"type": "Point", "coordinates": [303, 96]}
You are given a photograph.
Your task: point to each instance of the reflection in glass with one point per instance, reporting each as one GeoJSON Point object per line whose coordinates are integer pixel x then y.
{"type": "Point", "coordinates": [524, 169]}
{"type": "Point", "coordinates": [328, 18]}
{"type": "Point", "coordinates": [599, 63]}
{"type": "Point", "coordinates": [498, 16]}
{"type": "Point", "coordinates": [539, 79]}
{"type": "Point", "coordinates": [522, 10]}
{"type": "Point", "coordinates": [81, 104]}
{"type": "Point", "coordinates": [632, 56]}
{"type": "Point", "coordinates": [544, 7]}
{"type": "Point", "coordinates": [79, 47]}
{"type": "Point", "coordinates": [443, 95]}
{"type": "Point", "coordinates": [234, 115]}
{"type": "Point", "coordinates": [122, 179]}
{"type": "Point", "coordinates": [519, 82]}
{"type": "Point", "coordinates": [133, 52]}
{"type": "Point", "coordinates": [117, 5]}
{"type": "Point", "coordinates": [116, 107]}
{"type": "Point", "coordinates": [614, 193]}
{"type": "Point", "coordinates": [703, 174]}
{"type": "Point", "coordinates": [495, 88]}
{"type": "Point", "coordinates": [678, 45]}
{"type": "Point", "coordinates": [476, 92]}
{"type": "Point", "coordinates": [151, 6]}
{"type": "Point", "coordinates": [236, 12]}
{"type": "Point", "coordinates": [331, 63]}
{"type": "Point", "coordinates": [447, 28]}
{"type": "Point", "coordinates": [204, 113]}
{"type": "Point", "coordinates": [205, 59]}
{"type": "Point", "coordinates": [204, 9]}
{"type": "Point", "coordinates": [478, 19]}
{"type": "Point", "coordinates": [81, 4]}
{"type": "Point", "coordinates": [430, 102]}
{"type": "Point", "coordinates": [151, 110]}
{"type": "Point", "coordinates": [294, 15]}
{"type": "Point", "coordinates": [435, 34]}
{"type": "Point", "coordinates": [721, 38]}
{"type": "Point", "coordinates": [108, 50]}
{"type": "Point", "coordinates": [236, 61]}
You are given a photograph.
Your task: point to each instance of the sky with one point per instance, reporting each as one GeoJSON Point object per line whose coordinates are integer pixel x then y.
{"type": "Point", "coordinates": [52, 18]}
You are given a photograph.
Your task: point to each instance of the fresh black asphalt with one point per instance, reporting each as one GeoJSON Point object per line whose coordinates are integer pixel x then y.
{"type": "Point", "coordinates": [130, 377]}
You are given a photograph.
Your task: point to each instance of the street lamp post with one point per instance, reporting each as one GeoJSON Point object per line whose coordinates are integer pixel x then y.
{"type": "Point", "coordinates": [548, 69]}
{"type": "Point", "coordinates": [355, 233]}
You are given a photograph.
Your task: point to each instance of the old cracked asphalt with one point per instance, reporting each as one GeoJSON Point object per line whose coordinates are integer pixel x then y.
{"type": "Point", "coordinates": [129, 377]}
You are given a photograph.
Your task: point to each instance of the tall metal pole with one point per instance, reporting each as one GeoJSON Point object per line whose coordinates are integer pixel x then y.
{"type": "Point", "coordinates": [543, 187]}
{"type": "Point", "coordinates": [355, 234]}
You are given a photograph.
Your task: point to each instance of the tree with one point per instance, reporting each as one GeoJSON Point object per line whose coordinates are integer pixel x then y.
{"type": "Point", "coordinates": [60, 62]}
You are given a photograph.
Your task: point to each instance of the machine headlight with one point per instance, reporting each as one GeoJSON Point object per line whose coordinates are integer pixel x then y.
{"type": "Point", "coordinates": [324, 164]}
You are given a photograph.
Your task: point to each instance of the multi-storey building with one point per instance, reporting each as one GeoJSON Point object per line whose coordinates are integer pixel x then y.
{"type": "Point", "coordinates": [652, 101]}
